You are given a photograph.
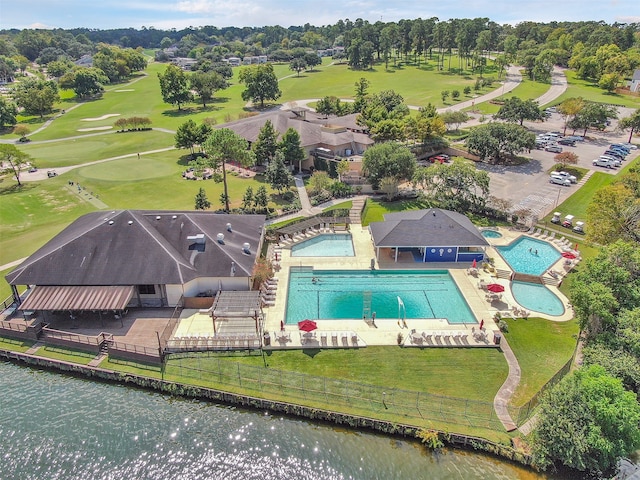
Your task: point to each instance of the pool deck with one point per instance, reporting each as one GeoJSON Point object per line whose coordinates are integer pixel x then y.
{"type": "Point", "coordinates": [427, 333]}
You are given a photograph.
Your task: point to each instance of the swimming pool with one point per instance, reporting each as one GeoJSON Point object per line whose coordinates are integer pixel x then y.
{"type": "Point", "coordinates": [325, 245]}
{"type": "Point", "coordinates": [491, 234]}
{"type": "Point", "coordinates": [391, 294]}
{"type": "Point", "coordinates": [529, 255]}
{"type": "Point", "coordinates": [537, 298]}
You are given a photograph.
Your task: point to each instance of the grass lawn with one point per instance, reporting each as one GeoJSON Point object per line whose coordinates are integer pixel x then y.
{"type": "Point", "coordinates": [14, 345]}
{"type": "Point", "coordinates": [375, 209]}
{"type": "Point", "coordinates": [542, 347]}
{"type": "Point", "coordinates": [65, 354]}
{"type": "Point", "coordinates": [77, 151]}
{"type": "Point", "coordinates": [527, 89]}
{"type": "Point", "coordinates": [590, 91]}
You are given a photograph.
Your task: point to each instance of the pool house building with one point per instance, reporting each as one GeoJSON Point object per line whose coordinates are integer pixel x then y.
{"type": "Point", "coordinates": [428, 236]}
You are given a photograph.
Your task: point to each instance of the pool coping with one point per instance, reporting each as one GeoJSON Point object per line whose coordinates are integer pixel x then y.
{"type": "Point", "coordinates": [387, 333]}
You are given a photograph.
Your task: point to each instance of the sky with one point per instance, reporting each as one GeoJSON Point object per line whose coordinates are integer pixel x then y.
{"type": "Point", "coordinates": [178, 14]}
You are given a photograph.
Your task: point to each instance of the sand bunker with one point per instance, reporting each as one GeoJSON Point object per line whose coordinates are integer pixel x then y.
{"type": "Point", "coordinates": [125, 90]}
{"type": "Point", "coordinates": [103, 117]}
{"type": "Point", "coordinates": [108, 127]}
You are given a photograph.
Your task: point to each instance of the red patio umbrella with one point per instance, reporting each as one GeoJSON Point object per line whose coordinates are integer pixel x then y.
{"type": "Point", "coordinates": [569, 255]}
{"type": "Point", "coordinates": [307, 325]}
{"type": "Point", "coordinates": [473, 265]}
{"type": "Point", "coordinates": [495, 288]}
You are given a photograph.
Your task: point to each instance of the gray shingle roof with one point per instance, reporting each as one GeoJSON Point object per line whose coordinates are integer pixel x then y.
{"type": "Point", "coordinates": [138, 247]}
{"type": "Point", "coordinates": [421, 228]}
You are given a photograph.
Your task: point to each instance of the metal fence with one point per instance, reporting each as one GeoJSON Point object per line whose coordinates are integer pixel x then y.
{"type": "Point", "coordinates": [329, 393]}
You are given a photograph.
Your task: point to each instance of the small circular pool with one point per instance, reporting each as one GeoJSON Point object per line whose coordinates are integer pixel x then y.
{"type": "Point", "coordinates": [491, 234]}
{"type": "Point", "coordinates": [537, 298]}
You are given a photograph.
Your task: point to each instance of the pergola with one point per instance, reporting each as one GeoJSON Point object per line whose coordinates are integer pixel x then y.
{"type": "Point", "coordinates": [236, 304]}
{"type": "Point", "coordinates": [309, 223]}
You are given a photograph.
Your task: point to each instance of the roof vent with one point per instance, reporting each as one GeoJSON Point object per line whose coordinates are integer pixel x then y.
{"type": "Point", "coordinates": [130, 222]}
{"type": "Point", "coordinates": [229, 227]}
{"type": "Point", "coordinates": [220, 238]}
{"type": "Point", "coordinates": [158, 217]}
{"type": "Point", "coordinates": [174, 217]}
{"type": "Point", "coordinates": [246, 248]}
{"type": "Point", "coordinates": [199, 238]}
{"type": "Point", "coordinates": [110, 222]}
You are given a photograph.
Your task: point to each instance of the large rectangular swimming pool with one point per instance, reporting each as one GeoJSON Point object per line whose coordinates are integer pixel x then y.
{"type": "Point", "coordinates": [391, 294]}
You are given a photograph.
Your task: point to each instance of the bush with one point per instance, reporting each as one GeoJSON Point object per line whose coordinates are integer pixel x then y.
{"type": "Point", "coordinates": [503, 326]}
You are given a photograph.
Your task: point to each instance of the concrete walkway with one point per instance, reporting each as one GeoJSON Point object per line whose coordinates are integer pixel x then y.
{"type": "Point", "coordinates": [502, 398]}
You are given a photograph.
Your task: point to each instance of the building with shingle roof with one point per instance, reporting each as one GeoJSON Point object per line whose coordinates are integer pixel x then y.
{"type": "Point", "coordinates": [431, 235]}
{"type": "Point", "coordinates": [155, 257]}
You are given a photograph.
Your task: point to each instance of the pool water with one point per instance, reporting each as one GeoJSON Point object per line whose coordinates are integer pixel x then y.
{"type": "Point", "coordinates": [491, 234]}
{"type": "Point", "coordinates": [529, 255]}
{"type": "Point", "coordinates": [393, 294]}
{"type": "Point", "coordinates": [325, 245]}
{"type": "Point", "coordinates": [537, 298]}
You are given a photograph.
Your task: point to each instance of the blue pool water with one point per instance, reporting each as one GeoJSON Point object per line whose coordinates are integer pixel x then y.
{"type": "Point", "coordinates": [537, 298]}
{"type": "Point", "coordinates": [342, 294]}
{"type": "Point", "coordinates": [491, 234]}
{"type": "Point", "coordinates": [529, 255]}
{"type": "Point", "coordinates": [325, 245]}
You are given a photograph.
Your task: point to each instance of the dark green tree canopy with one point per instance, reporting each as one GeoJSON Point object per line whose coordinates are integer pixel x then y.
{"type": "Point", "coordinates": [277, 173]}
{"type": "Point", "coordinates": [266, 144]}
{"type": "Point", "coordinates": [516, 110]}
{"type": "Point", "coordinates": [174, 86]}
{"type": "Point", "coordinates": [36, 96]}
{"type": "Point", "coordinates": [388, 159]}
{"type": "Point", "coordinates": [261, 83]}
{"type": "Point", "coordinates": [495, 141]}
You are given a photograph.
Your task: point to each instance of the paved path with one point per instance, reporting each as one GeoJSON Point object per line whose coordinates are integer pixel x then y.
{"type": "Point", "coordinates": [501, 400]}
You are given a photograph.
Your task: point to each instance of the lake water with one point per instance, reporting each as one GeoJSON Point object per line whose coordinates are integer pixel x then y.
{"type": "Point", "coordinates": [59, 427]}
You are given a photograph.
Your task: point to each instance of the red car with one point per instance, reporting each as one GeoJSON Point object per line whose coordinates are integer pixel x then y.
{"type": "Point", "coordinates": [439, 159]}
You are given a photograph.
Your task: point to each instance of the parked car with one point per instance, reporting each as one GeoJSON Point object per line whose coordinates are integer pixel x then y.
{"type": "Point", "coordinates": [567, 141]}
{"type": "Point", "coordinates": [540, 144]}
{"type": "Point", "coordinates": [616, 162]}
{"type": "Point", "coordinates": [577, 138]}
{"type": "Point", "coordinates": [620, 146]}
{"type": "Point", "coordinates": [614, 154]}
{"type": "Point", "coordinates": [553, 148]}
{"type": "Point", "coordinates": [567, 175]}
{"type": "Point", "coordinates": [630, 146]}
{"type": "Point", "coordinates": [560, 180]}
{"type": "Point", "coordinates": [33, 169]}
{"type": "Point", "coordinates": [51, 173]}
{"type": "Point", "coordinates": [602, 162]}
{"type": "Point", "coordinates": [619, 150]}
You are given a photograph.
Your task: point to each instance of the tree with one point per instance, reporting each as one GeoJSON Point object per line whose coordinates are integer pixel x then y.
{"type": "Point", "coordinates": [297, 65]}
{"type": "Point", "coordinates": [586, 422]}
{"type": "Point", "coordinates": [22, 131]}
{"type": "Point", "coordinates": [277, 174]}
{"type": "Point", "coordinates": [222, 146]}
{"type": "Point", "coordinates": [247, 199]}
{"type": "Point", "coordinates": [632, 123]}
{"type": "Point", "coordinates": [566, 158]}
{"type": "Point", "coordinates": [312, 60]}
{"type": "Point", "coordinates": [14, 158]}
{"type": "Point", "coordinates": [8, 113]}
{"type": "Point", "coordinates": [496, 140]}
{"type": "Point", "coordinates": [85, 81]}
{"type": "Point", "coordinates": [187, 135]}
{"type": "Point", "coordinates": [389, 186]}
{"type": "Point", "coordinates": [609, 82]}
{"type": "Point", "coordinates": [457, 186]}
{"type": "Point", "coordinates": [455, 94]}
{"type": "Point", "coordinates": [174, 86]}
{"type": "Point", "coordinates": [261, 198]}
{"type": "Point", "coordinates": [261, 83]}
{"type": "Point", "coordinates": [206, 84]}
{"type": "Point", "coordinates": [454, 118]}
{"type": "Point", "coordinates": [362, 86]}
{"type": "Point", "coordinates": [516, 110]}
{"type": "Point", "coordinates": [569, 109]}
{"type": "Point", "coordinates": [388, 159]}
{"type": "Point", "coordinates": [342, 168]}
{"type": "Point", "coordinates": [202, 202]}
{"type": "Point", "coordinates": [36, 96]}
{"type": "Point", "coordinates": [266, 144]}
{"type": "Point", "coordinates": [319, 181]}
{"type": "Point", "coordinates": [593, 115]}
{"type": "Point", "coordinates": [444, 94]}
{"type": "Point", "coordinates": [607, 214]}
{"type": "Point", "coordinates": [291, 148]}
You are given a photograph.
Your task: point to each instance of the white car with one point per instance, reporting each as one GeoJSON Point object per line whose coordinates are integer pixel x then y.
{"type": "Point", "coordinates": [603, 162]}
{"type": "Point", "coordinates": [560, 180]}
{"type": "Point", "coordinates": [630, 146]}
{"type": "Point", "coordinates": [567, 175]}
{"type": "Point", "coordinates": [616, 162]}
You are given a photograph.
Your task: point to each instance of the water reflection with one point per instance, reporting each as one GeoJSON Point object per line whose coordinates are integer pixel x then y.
{"type": "Point", "coordinates": [59, 427]}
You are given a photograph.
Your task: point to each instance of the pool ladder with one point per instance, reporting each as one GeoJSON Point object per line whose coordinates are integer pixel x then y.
{"type": "Point", "coordinates": [366, 304]}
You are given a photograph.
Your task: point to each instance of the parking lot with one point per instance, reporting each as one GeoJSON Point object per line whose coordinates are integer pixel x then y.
{"type": "Point", "coordinates": [528, 187]}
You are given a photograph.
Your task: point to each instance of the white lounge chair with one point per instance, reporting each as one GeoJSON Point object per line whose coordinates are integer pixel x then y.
{"type": "Point", "coordinates": [537, 232]}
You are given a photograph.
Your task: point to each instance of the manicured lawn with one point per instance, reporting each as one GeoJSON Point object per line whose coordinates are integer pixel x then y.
{"type": "Point", "coordinates": [589, 91]}
{"type": "Point", "coordinates": [13, 345]}
{"type": "Point", "coordinates": [375, 209]}
{"type": "Point", "coordinates": [542, 347]}
{"type": "Point", "coordinates": [65, 354]}
{"type": "Point", "coordinates": [78, 151]}
{"type": "Point", "coordinates": [527, 89]}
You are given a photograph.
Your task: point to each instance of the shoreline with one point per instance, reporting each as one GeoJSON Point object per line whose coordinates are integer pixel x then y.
{"type": "Point", "coordinates": [355, 422]}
